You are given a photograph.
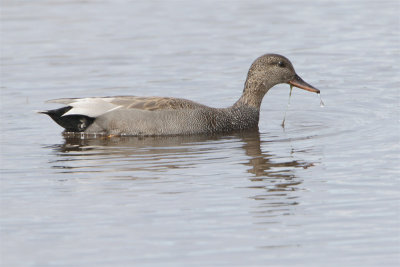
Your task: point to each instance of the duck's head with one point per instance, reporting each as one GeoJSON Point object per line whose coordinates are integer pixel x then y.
{"type": "Point", "coordinates": [272, 69]}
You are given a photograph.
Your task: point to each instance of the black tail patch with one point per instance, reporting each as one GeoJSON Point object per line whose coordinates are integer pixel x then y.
{"type": "Point", "coordinates": [71, 123]}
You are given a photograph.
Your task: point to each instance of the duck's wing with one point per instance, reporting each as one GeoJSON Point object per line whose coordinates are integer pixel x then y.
{"type": "Point", "coordinates": [97, 106]}
{"type": "Point", "coordinates": [153, 103]}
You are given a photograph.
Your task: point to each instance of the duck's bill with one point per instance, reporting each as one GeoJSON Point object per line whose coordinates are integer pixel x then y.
{"type": "Point", "coordinates": [298, 82]}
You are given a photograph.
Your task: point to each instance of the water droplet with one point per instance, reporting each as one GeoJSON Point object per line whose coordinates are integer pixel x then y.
{"type": "Point", "coordinates": [321, 103]}
{"type": "Point", "coordinates": [287, 107]}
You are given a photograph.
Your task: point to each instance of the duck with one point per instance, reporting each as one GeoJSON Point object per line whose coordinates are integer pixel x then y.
{"type": "Point", "coordinates": [158, 116]}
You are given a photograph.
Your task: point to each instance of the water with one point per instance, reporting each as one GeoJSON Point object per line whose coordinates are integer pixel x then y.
{"type": "Point", "coordinates": [324, 191]}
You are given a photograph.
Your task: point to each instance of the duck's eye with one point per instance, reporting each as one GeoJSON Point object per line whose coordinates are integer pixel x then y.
{"type": "Point", "coordinates": [281, 64]}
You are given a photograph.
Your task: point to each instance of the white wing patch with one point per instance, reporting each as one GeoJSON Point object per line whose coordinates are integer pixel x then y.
{"type": "Point", "coordinates": [91, 107]}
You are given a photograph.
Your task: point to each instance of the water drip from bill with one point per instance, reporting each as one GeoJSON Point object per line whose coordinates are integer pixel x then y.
{"type": "Point", "coordinates": [287, 107]}
{"type": "Point", "coordinates": [321, 103]}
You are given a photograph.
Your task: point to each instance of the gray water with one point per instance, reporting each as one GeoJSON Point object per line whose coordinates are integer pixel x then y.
{"type": "Point", "coordinates": [323, 191]}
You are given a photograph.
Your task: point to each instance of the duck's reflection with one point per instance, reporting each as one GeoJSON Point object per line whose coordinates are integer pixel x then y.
{"type": "Point", "coordinates": [273, 179]}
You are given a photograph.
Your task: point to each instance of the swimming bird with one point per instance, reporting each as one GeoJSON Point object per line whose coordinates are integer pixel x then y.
{"type": "Point", "coordinates": [151, 116]}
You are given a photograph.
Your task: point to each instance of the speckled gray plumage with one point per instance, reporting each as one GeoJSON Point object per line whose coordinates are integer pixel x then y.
{"type": "Point", "coordinates": [175, 122]}
{"type": "Point", "coordinates": [131, 115]}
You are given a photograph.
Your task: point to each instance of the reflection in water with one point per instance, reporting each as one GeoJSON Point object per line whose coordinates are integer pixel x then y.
{"type": "Point", "coordinates": [159, 148]}
{"type": "Point", "coordinates": [273, 182]}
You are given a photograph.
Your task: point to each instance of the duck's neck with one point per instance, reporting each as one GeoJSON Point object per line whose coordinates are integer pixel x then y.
{"type": "Point", "coordinates": [253, 94]}
{"type": "Point", "coordinates": [245, 113]}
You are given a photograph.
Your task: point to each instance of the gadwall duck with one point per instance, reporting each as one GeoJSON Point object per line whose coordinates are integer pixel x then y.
{"type": "Point", "coordinates": [132, 115]}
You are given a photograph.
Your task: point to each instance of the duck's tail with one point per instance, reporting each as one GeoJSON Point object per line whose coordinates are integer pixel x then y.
{"type": "Point", "coordinates": [71, 123]}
